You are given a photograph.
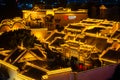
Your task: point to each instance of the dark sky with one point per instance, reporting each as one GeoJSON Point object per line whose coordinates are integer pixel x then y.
{"type": "Point", "coordinates": [8, 9]}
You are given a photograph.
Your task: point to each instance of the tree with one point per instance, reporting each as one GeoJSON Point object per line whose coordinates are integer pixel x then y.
{"type": "Point", "coordinates": [4, 75]}
{"type": "Point", "coordinates": [10, 40]}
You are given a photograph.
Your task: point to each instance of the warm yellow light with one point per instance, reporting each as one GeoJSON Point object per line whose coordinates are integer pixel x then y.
{"type": "Point", "coordinates": [50, 12]}
{"type": "Point", "coordinates": [69, 10]}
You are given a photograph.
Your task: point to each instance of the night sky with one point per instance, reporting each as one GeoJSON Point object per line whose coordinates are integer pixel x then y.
{"type": "Point", "coordinates": [12, 8]}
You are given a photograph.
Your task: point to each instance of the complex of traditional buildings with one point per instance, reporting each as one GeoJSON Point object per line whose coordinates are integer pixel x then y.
{"type": "Point", "coordinates": [77, 36]}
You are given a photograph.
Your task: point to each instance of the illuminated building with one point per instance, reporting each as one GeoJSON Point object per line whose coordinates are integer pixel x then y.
{"type": "Point", "coordinates": [64, 16]}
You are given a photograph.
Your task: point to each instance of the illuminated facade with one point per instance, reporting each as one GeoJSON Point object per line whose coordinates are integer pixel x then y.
{"type": "Point", "coordinates": [50, 18]}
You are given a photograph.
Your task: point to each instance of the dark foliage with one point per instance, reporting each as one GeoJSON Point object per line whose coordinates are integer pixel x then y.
{"type": "Point", "coordinates": [49, 18]}
{"type": "Point", "coordinates": [10, 40]}
{"type": "Point", "coordinates": [59, 27]}
{"type": "Point", "coordinates": [55, 59]}
{"type": "Point", "coordinates": [4, 73]}
{"type": "Point", "coordinates": [73, 63]}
